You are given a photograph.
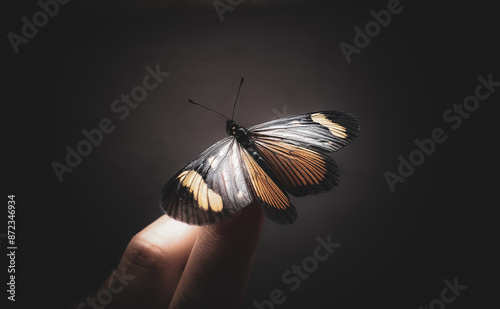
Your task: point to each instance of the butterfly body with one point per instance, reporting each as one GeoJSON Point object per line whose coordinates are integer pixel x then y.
{"type": "Point", "coordinates": [262, 163]}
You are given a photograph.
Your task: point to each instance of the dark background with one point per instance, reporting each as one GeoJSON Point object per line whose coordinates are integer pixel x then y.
{"type": "Point", "coordinates": [396, 248]}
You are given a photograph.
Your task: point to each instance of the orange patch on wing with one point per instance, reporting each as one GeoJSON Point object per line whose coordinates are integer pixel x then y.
{"type": "Point", "coordinates": [335, 128]}
{"type": "Point", "coordinates": [265, 189]}
{"type": "Point", "coordinates": [295, 166]}
{"type": "Point", "coordinates": [206, 197]}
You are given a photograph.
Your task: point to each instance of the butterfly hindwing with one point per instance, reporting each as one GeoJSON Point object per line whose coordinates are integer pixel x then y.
{"type": "Point", "coordinates": [302, 171]}
{"type": "Point", "coordinates": [273, 200]}
{"type": "Point", "coordinates": [210, 188]}
{"type": "Point", "coordinates": [295, 147]}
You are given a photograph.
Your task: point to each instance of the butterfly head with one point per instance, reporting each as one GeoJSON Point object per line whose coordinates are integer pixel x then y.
{"type": "Point", "coordinates": [234, 129]}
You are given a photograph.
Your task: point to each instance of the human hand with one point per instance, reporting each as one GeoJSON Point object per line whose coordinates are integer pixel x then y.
{"type": "Point", "coordinates": [170, 264]}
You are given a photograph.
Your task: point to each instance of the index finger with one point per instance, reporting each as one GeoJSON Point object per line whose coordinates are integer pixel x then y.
{"type": "Point", "coordinates": [216, 274]}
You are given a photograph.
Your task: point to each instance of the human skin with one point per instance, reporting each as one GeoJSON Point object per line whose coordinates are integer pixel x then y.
{"type": "Point", "coordinates": [175, 265]}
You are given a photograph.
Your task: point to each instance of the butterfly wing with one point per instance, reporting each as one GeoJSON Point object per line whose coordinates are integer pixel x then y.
{"type": "Point", "coordinates": [226, 177]}
{"type": "Point", "coordinates": [220, 182]}
{"type": "Point", "coordinates": [210, 188]}
{"type": "Point", "coordinates": [295, 148]}
{"type": "Point", "coordinates": [273, 200]}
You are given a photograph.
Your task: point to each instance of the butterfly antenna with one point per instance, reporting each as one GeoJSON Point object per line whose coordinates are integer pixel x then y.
{"type": "Point", "coordinates": [193, 102]}
{"type": "Point", "coordinates": [237, 95]}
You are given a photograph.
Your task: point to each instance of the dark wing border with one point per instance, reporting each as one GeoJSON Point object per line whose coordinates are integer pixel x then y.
{"type": "Point", "coordinates": [210, 188]}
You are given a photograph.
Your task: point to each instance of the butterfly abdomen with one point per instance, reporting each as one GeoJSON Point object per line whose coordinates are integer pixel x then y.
{"type": "Point", "coordinates": [243, 138]}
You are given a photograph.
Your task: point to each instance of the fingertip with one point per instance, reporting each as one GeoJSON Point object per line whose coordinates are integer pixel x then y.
{"type": "Point", "coordinates": [218, 269]}
{"type": "Point", "coordinates": [248, 220]}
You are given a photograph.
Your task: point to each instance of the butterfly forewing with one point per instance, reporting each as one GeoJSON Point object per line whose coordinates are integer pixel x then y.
{"type": "Point", "coordinates": [295, 147]}
{"type": "Point", "coordinates": [325, 131]}
{"type": "Point", "coordinates": [210, 188]}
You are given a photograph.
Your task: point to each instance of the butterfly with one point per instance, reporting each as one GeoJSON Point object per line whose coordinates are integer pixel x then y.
{"type": "Point", "coordinates": [265, 162]}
